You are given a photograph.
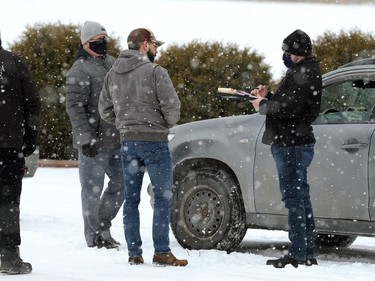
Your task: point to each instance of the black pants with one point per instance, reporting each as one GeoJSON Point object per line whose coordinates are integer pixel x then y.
{"type": "Point", "coordinates": [11, 173]}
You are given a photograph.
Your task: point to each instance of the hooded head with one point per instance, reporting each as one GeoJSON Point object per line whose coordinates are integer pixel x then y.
{"type": "Point", "coordinates": [297, 43]}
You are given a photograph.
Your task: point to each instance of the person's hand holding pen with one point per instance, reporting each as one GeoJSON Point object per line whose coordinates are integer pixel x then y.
{"type": "Point", "coordinates": [261, 92]}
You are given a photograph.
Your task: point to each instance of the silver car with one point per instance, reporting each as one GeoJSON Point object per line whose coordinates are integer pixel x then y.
{"type": "Point", "coordinates": [226, 180]}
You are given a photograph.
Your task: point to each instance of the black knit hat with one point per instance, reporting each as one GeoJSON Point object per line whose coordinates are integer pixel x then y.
{"type": "Point", "coordinates": [297, 43]}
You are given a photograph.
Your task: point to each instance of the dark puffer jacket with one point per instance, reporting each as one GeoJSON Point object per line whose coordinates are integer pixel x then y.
{"type": "Point", "coordinates": [19, 103]}
{"type": "Point", "coordinates": [84, 82]}
{"type": "Point", "coordinates": [294, 106]}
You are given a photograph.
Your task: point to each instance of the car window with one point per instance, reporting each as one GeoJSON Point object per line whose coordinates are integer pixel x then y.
{"type": "Point", "coordinates": [348, 102]}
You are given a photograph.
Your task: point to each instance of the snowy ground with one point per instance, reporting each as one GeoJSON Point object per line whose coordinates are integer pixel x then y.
{"type": "Point", "coordinates": [52, 240]}
{"type": "Point", "coordinates": [52, 234]}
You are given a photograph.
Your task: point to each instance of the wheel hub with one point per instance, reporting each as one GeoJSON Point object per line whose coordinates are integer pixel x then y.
{"type": "Point", "coordinates": [204, 212]}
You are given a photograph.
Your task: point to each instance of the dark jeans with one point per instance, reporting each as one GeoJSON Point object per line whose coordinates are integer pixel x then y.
{"type": "Point", "coordinates": [136, 157]}
{"type": "Point", "coordinates": [11, 173]}
{"type": "Point", "coordinates": [100, 207]}
{"type": "Point", "coordinates": [292, 163]}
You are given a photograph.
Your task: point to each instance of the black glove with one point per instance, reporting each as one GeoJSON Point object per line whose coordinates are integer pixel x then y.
{"type": "Point", "coordinates": [89, 150]}
{"type": "Point", "coordinates": [29, 147]}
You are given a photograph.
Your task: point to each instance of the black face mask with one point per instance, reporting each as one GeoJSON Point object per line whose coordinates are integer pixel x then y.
{"type": "Point", "coordinates": [287, 60]}
{"type": "Point", "coordinates": [99, 46]}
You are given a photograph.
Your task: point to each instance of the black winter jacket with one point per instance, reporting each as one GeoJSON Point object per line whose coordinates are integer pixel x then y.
{"type": "Point", "coordinates": [19, 102]}
{"type": "Point", "coordinates": [294, 106]}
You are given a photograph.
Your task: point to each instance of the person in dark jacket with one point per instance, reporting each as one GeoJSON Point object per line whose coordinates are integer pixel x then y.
{"type": "Point", "coordinates": [97, 142]}
{"type": "Point", "coordinates": [19, 121]}
{"type": "Point", "coordinates": [289, 114]}
{"type": "Point", "coordinates": [138, 96]}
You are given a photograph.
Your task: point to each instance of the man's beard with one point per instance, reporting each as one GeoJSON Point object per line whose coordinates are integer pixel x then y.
{"type": "Point", "coordinates": [150, 56]}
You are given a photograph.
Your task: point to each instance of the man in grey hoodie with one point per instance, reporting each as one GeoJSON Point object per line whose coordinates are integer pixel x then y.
{"type": "Point", "coordinates": [98, 142]}
{"type": "Point", "coordinates": [139, 98]}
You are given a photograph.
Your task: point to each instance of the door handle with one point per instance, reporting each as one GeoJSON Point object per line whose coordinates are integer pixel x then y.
{"type": "Point", "coordinates": [352, 145]}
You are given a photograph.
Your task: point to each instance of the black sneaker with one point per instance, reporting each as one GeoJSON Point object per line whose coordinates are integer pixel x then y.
{"type": "Point", "coordinates": [310, 262]}
{"type": "Point", "coordinates": [285, 260]}
{"type": "Point", "coordinates": [113, 241]}
{"type": "Point", "coordinates": [109, 243]}
{"type": "Point", "coordinates": [15, 267]}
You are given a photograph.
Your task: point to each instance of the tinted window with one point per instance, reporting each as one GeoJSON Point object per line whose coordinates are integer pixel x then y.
{"type": "Point", "coordinates": [348, 102]}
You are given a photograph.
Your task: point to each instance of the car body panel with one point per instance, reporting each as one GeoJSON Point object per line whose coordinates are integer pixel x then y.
{"type": "Point", "coordinates": [227, 141]}
{"type": "Point", "coordinates": [330, 175]}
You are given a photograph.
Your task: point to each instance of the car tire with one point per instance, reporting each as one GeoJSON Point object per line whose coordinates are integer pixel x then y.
{"type": "Point", "coordinates": [333, 240]}
{"type": "Point", "coordinates": [208, 211]}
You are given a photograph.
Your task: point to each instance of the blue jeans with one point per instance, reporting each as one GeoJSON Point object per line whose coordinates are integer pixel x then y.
{"type": "Point", "coordinates": [100, 208]}
{"type": "Point", "coordinates": [292, 163]}
{"type": "Point", "coordinates": [136, 157]}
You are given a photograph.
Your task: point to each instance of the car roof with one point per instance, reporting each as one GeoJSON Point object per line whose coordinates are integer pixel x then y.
{"type": "Point", "coordinates": [362, 68]}
{"type": "Point", "coordinates": [368, 61]}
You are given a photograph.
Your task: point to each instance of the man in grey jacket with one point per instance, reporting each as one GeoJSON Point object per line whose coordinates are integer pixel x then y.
{"type": "Point", "coordinates": [139, 98]}
{"type": "Point", "coordinates": [97, 142]}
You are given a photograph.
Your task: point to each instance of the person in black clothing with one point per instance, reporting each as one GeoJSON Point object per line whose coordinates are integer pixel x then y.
{"type": "Point", "coordinates": [19, 121]}
{"type": "Point", "coordinates": [289, 114]}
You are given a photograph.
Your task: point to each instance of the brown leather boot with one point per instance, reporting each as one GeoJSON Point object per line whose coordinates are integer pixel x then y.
{"type": "Point", "coordinates": [136, 260]}
{"type": "Point", "coordinates": [168, 259]}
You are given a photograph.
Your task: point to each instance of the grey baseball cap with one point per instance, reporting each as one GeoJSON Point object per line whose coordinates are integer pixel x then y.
{"type": "Point", "coordinates": [140, 35]}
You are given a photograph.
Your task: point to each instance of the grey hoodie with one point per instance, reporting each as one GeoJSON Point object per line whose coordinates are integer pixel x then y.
{"type": "Point", "coordinates": [139, 98]}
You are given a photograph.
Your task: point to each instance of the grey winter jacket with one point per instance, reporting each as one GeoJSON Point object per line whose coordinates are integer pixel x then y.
{"type": "Point", "coordinates": [138, 96]}
{"type": "Point", "coordinates": [84, 82]}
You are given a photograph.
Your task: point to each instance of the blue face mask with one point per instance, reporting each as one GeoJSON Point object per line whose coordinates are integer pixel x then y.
{"type": "Point", "coordinates": [287, 60]}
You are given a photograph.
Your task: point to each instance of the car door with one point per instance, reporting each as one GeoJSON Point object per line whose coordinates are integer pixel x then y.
{"type": "Point", "coordinates": [339, 174]}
